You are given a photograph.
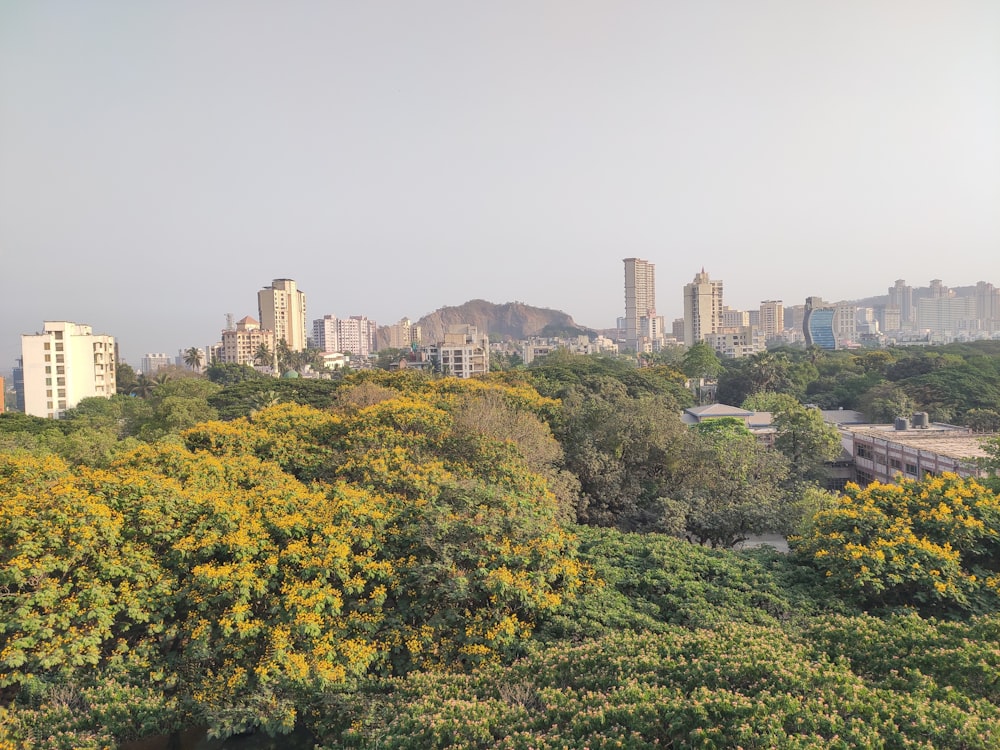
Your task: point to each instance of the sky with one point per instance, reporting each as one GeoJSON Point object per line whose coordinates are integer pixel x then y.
{"type": "Point", "coordinates": [162, 161]}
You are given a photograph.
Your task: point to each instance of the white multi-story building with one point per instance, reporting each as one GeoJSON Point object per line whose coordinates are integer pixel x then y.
{"type": "Point", "coordinates": [63, 364]}
{"type": "Point", "coordinates": [702, 308]}
{"type": "Point", "coordinates": [241, 345]}
{"type": "Point", "coordinates": [463, 353]}
{"type": "Point", "coordinates": [282, 309]}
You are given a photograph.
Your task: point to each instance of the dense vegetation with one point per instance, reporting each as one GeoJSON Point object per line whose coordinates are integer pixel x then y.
{"type": "Point", "coordinates": [391, 560]}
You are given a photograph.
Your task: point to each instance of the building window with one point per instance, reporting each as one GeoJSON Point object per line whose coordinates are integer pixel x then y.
{"type": "Point", "coordinates": [48, 381]}
{"type": "Point", "coordinates": [895, 463]}
{"type": "Point", "coordinates": [59, 346]}
{"type": "Point", "coordinates": [49, 393]}
{"type": "Point", "coordinates": [911, 469]}
{"type": "Point", "coordinates": [47, 346]}
{"type": "Point", "coordinates": [864, 451]}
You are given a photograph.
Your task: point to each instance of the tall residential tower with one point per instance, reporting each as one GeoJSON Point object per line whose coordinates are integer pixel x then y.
{"type": "Point", "coordinates": [640, 302]}
{"type": "Point", "coordinates": [702, 308]}
{"type": "Point", "coordinates": [282, 309]}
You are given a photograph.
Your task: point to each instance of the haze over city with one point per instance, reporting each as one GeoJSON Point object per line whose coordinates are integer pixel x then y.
{"type": "Point", "coordinates": [162, 162]}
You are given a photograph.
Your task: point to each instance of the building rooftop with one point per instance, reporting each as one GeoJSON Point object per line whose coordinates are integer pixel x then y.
{"type": "Point", "coordinates": [943, 439]}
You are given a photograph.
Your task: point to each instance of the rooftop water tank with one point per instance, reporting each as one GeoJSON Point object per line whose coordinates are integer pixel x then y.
{"type": "Point", "coordinates": [920, 419]}
{"type": "Point", "coordinates": [902, 423]}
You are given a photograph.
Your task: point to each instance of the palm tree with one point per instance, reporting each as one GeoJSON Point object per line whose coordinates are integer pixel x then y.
{"type": "Point", "coordinates": [143, 386]}
{"type": "Point", "coordinates": [263, 355]}
{"type": "Point", "coordinates": [193, 358]}
{"type": "Point", "coordinates": [284, 356]}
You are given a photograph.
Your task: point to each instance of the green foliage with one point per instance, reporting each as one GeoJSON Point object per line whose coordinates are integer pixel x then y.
{"type": "Point", "coordinates": [701, 361]}
{"type": "Point", "coordinates": [733, 685]}
{"type": "Point", "coordinates": [644, 582]}
{"type": "Point", "coordinates": [932, 544]}
{"type": "Point", "coordinates": [239, 399]}
{"type": "Point", "coordinates": [229, 373]}
{"type": "Point", "coordinates": [729, 486]}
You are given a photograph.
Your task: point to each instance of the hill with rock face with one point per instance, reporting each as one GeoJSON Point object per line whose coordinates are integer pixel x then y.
{"type": "Point", "coordinates": [511, 320]}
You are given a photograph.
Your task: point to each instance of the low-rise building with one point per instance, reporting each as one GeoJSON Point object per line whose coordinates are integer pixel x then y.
{"type": "Point", "coordinates": [911, 448]}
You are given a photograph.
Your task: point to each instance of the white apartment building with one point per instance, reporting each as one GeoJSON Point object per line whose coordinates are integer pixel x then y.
{"type": "Point", "coordinates": [63, 364]}
{"type": "Point", "coordinates": [702, 308]}
{"type": "Point", "coordinates": [282, 309]}
{"type": "Point", "coordinates": [463, 353]}
{"type": "Point", "coordinates": [241, 344]}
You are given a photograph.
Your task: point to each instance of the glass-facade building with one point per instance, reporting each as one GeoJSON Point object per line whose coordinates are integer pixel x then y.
{"type": "Point", "coordinates": [818, 326]}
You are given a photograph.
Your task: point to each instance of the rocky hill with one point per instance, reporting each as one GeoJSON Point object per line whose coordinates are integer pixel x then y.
{"type": "Point", "coordinates": [511, 320]}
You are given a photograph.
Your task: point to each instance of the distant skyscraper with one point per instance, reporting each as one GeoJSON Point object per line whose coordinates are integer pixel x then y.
{"type": "Point", "coordinates": [64, 363]}
{"type": "Point", "coordinates": [901, 298]}
{"type": "Point", "coordinates": [702, 308]}
{"type": "Point", "coordinates": [640, 300]}
{"type": "Point", "coordinates": [283, 310]}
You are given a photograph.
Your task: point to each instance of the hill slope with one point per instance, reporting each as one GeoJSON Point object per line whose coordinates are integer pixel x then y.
{"type": "Point", "coordinates": [511, 320]}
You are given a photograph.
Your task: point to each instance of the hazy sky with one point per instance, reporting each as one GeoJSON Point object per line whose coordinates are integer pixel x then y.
{"type": "Point", "coordinates": [162, 161]}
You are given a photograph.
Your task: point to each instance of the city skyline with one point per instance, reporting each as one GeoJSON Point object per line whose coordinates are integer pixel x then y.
{"type": "Point", "coordinates": [163, 162]}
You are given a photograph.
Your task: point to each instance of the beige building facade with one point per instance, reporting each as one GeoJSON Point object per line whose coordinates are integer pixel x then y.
{"type": "Point", "coordinates": [282, 308]}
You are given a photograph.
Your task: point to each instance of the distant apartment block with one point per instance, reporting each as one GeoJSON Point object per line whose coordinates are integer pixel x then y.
{"type": "Point", "coordinates": [771, 318]}
{"type": "Point", "coordinates": [464, 352]}
{"type": "Point", "coordinates": [404, 335]}
{"type": "Point", "coordinates": [63, 364]}
{"type": "Point", "coordinates": [150, 363]}
{"type": "Point", "coordinates": [282, 308]}
{"type": "Point", "coordinates": [733, 343]}
{"type": "Point", "coordinates": [702, 308]}
{"type": "Point", "coordinates": [735, 318]}
{"type": "Point", "coordinates": [537, 347]}
{"type": "Point", "coordinates": [354, 335]}
{"type": "Point", "coordinates": [242, 344]}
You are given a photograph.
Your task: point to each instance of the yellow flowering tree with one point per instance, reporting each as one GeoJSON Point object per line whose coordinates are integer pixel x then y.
{"type": "Point", "coordinates": [932, 544]}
